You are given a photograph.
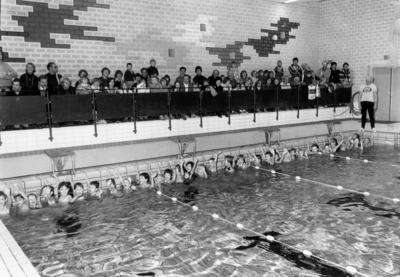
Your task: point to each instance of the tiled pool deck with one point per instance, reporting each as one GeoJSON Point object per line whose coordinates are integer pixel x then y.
{"type": "Point", "coordinates": [13, 261]}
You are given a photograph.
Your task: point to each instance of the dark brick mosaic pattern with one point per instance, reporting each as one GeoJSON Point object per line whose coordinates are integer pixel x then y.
{"type": "Point", "coordinates": [263, 46]}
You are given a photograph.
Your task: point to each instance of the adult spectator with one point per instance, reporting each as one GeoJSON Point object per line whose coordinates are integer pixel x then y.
{"type": "Point", "coordinates": [168, 81]}
{"type": "Point", "coordinates": [154, 84]}
{"type": "Point", "coordinates": [6, 74]}
{"type": "Point", "coordinates": [104, 79]}
{"type": "Point", "coordinates": [212, 79]}
{"type": "Point", "coordinates": [368, 101]}
{"type": "Point", "coordinates": [285, 84]}
{"type": "Point", "coordinates": [181, 77]}
{"type": "Point", "coordinates": [186, 86]}
{"type": "Point", "coordinates": [254, 77]}
{"type": "Point", "coordinates": [345, 77]}
{"type": "Point", "coordinates": [152, 70]}
{"type": "Point", "coordinates": [231, 76]}
{"type": "Point", "coordinates": [324, 73]}
{"type": "Point", "coordinates": [43, 85]}
{"type": "Point", "coordinates": [53, 78]}
{"type": "Point", "coordinates": [295, 69]}
{"type": "Point", "coordinates": [17, 90]}
{"type": "Point", "coordinates": [129, 75]}
{"type": "Point", "coordinates": [244, 78]}
{"type": "Point", "coordinates": [65, 87]}
{"type": "Point", "coordinates": [118, 79]}
{"type": "Point", "coordinates": [145, 76]}
{"type": "Point", "coordinates": [199, 78]}
{"type": "Point", "coordinates": [29, 81]}
{"type": "Point", "coordinates": [82, 74]}
{"type": "Point", "coordinates": [335, 74]}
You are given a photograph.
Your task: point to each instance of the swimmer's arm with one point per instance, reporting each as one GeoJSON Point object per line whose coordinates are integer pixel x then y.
{"type": "Point", "coordinates": [39, 202]}
{"type": "Point", "coordinates": [361, 145]}
{"type": "Point", "coordinates": [337, 147]}
{"type": "Point", "coordinates": [181, 165]}
{"type": "Point", "coordinates": [119, 176]}
{"type": "Point", "coordinates": [216, 159]}
{"type": "Point", "coordinates": [263, 153]}
{"type": "Point", "coordinates": [194, 167]}
{"type": "Point", "coordinates": [152, 176]}
{"type": "Point", "coordinates": [7, 191]}
{"type": "Point", "coordinates": [158, 169]}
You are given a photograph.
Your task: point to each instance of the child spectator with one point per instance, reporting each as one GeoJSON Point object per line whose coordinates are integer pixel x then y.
{"type": "Point", "coordinates": [145, 76]}
{"type": "Point", "coordinates": [180, 78]}
{"type": "Point", "coordinates": [29, 81]}
{"type": "Point", "coordinates": [324, 74]}
{"type": "Point", "coordinates": [104, 79]}
{"type": "Point", "coordinates": [82, 74]}
{"type": "Point", "coordinates": [83, 86]}
{"type": "Point", "coordinates": [235, 71]}
{"type": "Point", "coordinates": [118, 79]}
{"type": "Point", "coordinates": [95, 87]}
{"type": "Point", "coordinates": [279, 72]}
{"type": "Point", "coordinates": [345, 77]}
{"type": "Point", "coordinates": [152, 70]}
{"type": "Point", "coordinates": [129, 75]}
{"type": "Point", "coordinates": [254, 77]}
{"type": "Point", "coordinates": [285, 84]}
{"type": "Point", "coordinates": [199, 78]}
{"type": "Point", "coordinates": [65, 87]}
{"type": "Point", "coordinates": [295, 69]}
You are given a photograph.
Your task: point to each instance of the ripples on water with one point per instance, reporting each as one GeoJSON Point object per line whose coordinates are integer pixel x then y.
{"type": "Point", "coordinates": [147, 235]}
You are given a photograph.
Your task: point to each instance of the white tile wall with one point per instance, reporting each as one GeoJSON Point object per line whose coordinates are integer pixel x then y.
{"type": "Point", "coordinates": [32, 140]}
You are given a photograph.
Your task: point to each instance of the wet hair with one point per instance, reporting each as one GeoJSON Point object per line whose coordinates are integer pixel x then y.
{"type": "Point", "coordinates": [211, 159]}
{"type": "Point", "coordinates": [241, 156]}
{"type": "Point", "coordinates": [268, 153]}
{"type": "Point", "coordinates": [78, 185]}
{"type": "Point", "coordinates": [292, 149]}
{"type": "Point", "coordinates": [68, 186]}
{"type": "Point", "coordinates": [118, 72]}
{"type": "Point", "coordinates": [82, 71]}
{"type": "Point", "coordinates": [335, 140]}
{"type": "Point", "coordinates": [168, 171]}
{"type": "Point", "coordinates": [145, 175]}
{"type": "Point", "coordinates": [316, 145]}
{"type": "Point", "coordinates": [327, 144]}
{"type": "Point", "coordinates": [190, 163]}
{"type": "Point", "coordinates": [104, 69]}
{"type": "Point", "coordinates": [34, 68]}
{"type": "Point", "coordinates": [51, 190]}
{"type": "Point", "coordinates": [295, 59]}
{"type": "Point", "coordinates": [18, 196]}
{"type": "Point", "coordinates": [197, 68]}
{"type": "Point", "coordinates": [259, 157]}
{"type": "Point", "coordinates": [229, 159]}
{"type": "Point", "coordinates": [95, 183]}
{"type": "Point", "coordinates": [32, 194]}
{"type": "Point", "coordinates": [357, 135]}
{"type": "Point", "coordinates": [4, 195]}
{"type": "Point", "coordinates": [112, 182]}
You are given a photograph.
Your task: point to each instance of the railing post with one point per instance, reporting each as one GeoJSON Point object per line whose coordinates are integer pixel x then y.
{"type": "Point", "coordinates": [298, 101]}
{"type": "Point", "coordinates": [277, 103]}
{"type": "Point", "coordinates": [229, 106]}
{"type": "Point", "coordinates": [94, 114]}
{"type": "Point", "coordinates": [169, 109]}
{"type": "Point", "coordinates": [49, 114]}
{"type": "Point", "coordinates": [334, 100]}
{"type": "Point", "coordinates": [317, 102]}
{"type": "Point", "coordinates": [255, 104]}
{"type": "Point", "coordinates": [201, 106]}
{"type": "Point", "coordinates": [134, 111]}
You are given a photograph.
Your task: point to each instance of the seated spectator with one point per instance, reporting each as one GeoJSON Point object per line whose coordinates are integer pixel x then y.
{"type": "Point", "coordinates": [226, 85]}
{"type": "Point", "coordinates": [145, 76]}
{"type": "Point", "coordinates": [7, 73]}
{"type": "Point", "coordinates": [129, 75]}
{"type": "Point", "coordinates": [104, 79]}
{"type": "Point", "coordinates": [82, 74]}
{"type": "Point", "coordinates": [137, 80]}
{"type": "Point", "coordinates": [29, 81]}
{"type": "Point", "coordinates": [42, 86]}
{"type": "Point", "coordinates": [254, 76]}
{"type": "Point", "coordinates": [279, 72]}
{"type": "Point", "coordinates": [271, 76]}
{"type": "Point", "coordinates": [248, 84]}
{"type": "Point", "coordinates": [213, 77]}
{"type": "Point", "coordinates": [308, 80]}
{"type": "Point", "coordinates": [235, 71]}
{"type": "Point", "coordinates": [231, 76]}
{"type": "Point", "coordinates": [334, 79]}
{"type": "Point", "coordinates": [111, 89]}
{"type": "Point", "coordinates": [16, 89]}
{"type": "Point", "coordinates": [168, 81]}
{"type": "Point", "coordinates": [83, 86]}
{"type": "Point", "coordinates": [95, 85]}
{"type": "Point", "coordinates": [315, 78]}
{"type": "Point", "coordinates": [152, 70]}
{"type": "Point", "coordinates": [324, 74]}
{"type": "Point", "coordinates": [141, 85]}
{"type": "Point", "coordinates": [118, 79]}
{"type": "Point", "coordinates": [268, 84]}
{"type": "Point", "coordinates": [154, 83]}
{"type": "Point", "coordinates": [345, 75]}
{"type": "Point", "coordinates": [199, 78]}
{"type": "Point", "coordinates": [260, 75]}
{"type": "Point", "coordinates": [164, 83]}
{"type": "Point", "coordinates": [218, 84]}
{"type": "Point", "coordinates": [187, 86]}
{"type": "Point", "coordinates": [65, 87]}
{"type": "Point", "coordinates": [243, 77]}
{"type": "Point", "coordinates": [53, 78]}
{"type": "Point", "coordinates": [285, 84]}
{"type": "Point", "coordinates": [223, 77]}
{"type": "Point", "coordinates": [124, 89]}
{"type": "Point", "coordinates": [295, 82]}
{"type": "Point", "coordinates": [295, 70]}
{"type": "Point", "coordinates": [180, 78]}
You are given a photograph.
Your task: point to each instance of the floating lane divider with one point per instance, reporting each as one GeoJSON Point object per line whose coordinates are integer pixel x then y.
{"type": "Point", "coordinates": [298, 179]}
{"type": "Point", "coordinates": [349, 269]}
{"type": "Point", "coordinates": [361, 160]}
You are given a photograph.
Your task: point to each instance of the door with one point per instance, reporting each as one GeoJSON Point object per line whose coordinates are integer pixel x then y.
{"type": "Point", "coordinates": [382, 80]}
{"type": "Point", "coordinates": [395, 109]}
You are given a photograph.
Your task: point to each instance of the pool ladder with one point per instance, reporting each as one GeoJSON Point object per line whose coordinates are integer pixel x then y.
{"type": "Point", "coordinates": [183, 143]}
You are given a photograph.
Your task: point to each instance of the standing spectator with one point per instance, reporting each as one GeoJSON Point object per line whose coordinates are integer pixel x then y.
{"type": "Point", "coordinates": [118, 79]}
{"type": "Point", "coordinates": [83, 86]}
{"type": "Point", "coordinates": [295, 69]}
{"type": "Point", "coordinates": [345, 75]}
{"type": "Point", "coordinates": [65, 87]}
{"type": "Point", "coordinates": [82, 74]}
{"type": "Point", "coordinates": [6, 74]}
{"type": "Point", "coordinates": [199, 78]}
{"type": "Point", "coordinates": [368, 101]}
{"type": "Point", "coordinates": [235, 70]}
{"type": "Point", "coordinates": [212, 79]}
{"type": "Point", "coordinates": [29, 81]}
{"type": "Point", "coordinates": [152, 70]}
{"type": "Point", "coordinates": [104, 79]}
{"type": "Point", "coordinates": [129, 75]}
{"type": "Point", "coordinates": [145, 76]}
{"type": "Point", "coordinates": [53, 78]}
{"type": "Point", "coordinates": [279, 72]}
{"type": "Point", "coordinates": [254, 75]}
{"type": "Point", "coordinates": [182, 74]}
{"type": "Point", "coordinates": [324, 74]}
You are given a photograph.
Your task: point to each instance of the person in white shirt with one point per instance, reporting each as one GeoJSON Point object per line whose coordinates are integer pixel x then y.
{"type": "Point", "coordinates": [368, 100]}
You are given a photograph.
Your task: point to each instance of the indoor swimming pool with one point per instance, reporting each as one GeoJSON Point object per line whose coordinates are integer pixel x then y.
{"type": "Point", "coordinates": [146, 234]}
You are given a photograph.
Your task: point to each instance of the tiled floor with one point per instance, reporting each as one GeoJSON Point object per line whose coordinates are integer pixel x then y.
{"type": "Point", "coordinates": [13, 261]}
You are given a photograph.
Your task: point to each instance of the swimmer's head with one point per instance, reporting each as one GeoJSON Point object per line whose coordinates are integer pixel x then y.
{"type": "Point", "coordinates": [126, 183]}
{"type": "Point", "coordinates": [327, 146]}
{"type": "Point", "coordinates": [241, 160]}
{"type": "Point", "coordinates": [78, 187]}
{"type": "Point", "coordinates": [314, 148]}
{"type": "Point", "coordinates": [32, 200]}
{"type": "Point", "coordinates": [111, 183]}
{"type": "Point", "coordinates": [259, 158]}
{"type": "Point", "coordinates": [64, 189]}
{"type": "Point", "coordinates": [47, 191]}
{"type": "Point", "coordinates": [357, 141]}
{"type": "Point", "coordinates": [93, 187]}
{"type": "Point", "coordinates": [228, 162]}
{"type": "Point", "coordinates": [292, 152]}
{"type": "Point", "coordinates": [144, 178]}
{"type": "Point", "coordinates": [19, 200]}
{"type": "Point", "coordinates": [355, 135]}
{"type": "Point", "coordinates": [168, 174]}
{"type": "Point", "coordinates": [211, 162]}
{"type": "Point", "coordinates": [3, 199]}
{"type": "Point", "coordinates": [189, 166]}
{"type": "Point", "coordinates": [333, 142]}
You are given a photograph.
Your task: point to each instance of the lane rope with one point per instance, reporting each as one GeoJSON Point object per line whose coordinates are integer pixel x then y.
{"type": "Point", "coordinates": [308, 254]}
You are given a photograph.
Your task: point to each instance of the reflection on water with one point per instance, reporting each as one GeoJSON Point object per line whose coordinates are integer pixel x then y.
{"type": "Point", "coordinates": [147, 235]}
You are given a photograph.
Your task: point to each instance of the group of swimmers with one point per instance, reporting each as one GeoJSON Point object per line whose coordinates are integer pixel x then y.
{"type": "Point", "coordinates": [68, 192]}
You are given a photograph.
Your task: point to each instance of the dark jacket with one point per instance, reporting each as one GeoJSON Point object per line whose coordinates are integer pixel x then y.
{"type": "Point", "coordinates": [335, 76]}
{"type": "Point", "coordinates": [29, 81]}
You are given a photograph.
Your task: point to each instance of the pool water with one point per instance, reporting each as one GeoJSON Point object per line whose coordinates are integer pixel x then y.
{"type": "Point", "coordinates": [147, 235]}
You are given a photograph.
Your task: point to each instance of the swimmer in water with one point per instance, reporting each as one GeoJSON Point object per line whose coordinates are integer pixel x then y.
{"type": "Point", "coordinates": [20, 200]}
{"type": "Point", "coordinates": [126, 183]}
{"type": "Point", "coordinates": [314, 149]}
{"type": "Point", "coordinates": [78, 189]}
{"type": "Point", "coordinates": [201, 171]}
{"type": "Point", "coordinates": [5, 200]}
{"type": "Point", "coordinates": [212, 164]}
{"type": "Point", "coordinates": [286, 157]}
{"type": "Point", "coordinates": [34, 202]}
{"type": "Point", "coordinates": [302, 154]}
{"type": "Point", "coordinates": [169, 176]}
{"type": "Point", "coordinates": [241, 161]}
{"type": "Point", "coordinates": [256, 160]}
{"type": "Point", "coordinates": [65, 193]}
{"type": "Point", "coordinates": [47, 195]}
{"type": "Point", "coordinates": [229, 161]}
{"type": "Point", "coordinates": [94, 189]}
{"type": "Point", "coordinates": [367, 142]}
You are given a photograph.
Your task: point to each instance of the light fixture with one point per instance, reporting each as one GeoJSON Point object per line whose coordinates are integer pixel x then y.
{"type": "Point", "coordinates": [290, 1]}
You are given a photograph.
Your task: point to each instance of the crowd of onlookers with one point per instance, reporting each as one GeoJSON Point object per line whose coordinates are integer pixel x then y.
{"type": "Point", "coordinates": [149, 79]}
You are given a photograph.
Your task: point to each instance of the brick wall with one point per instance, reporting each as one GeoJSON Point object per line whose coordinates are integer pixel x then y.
{"type": "Point", "coordinates": [359, 32]}
{"type": "Point", "coordinates": [92, 34]}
